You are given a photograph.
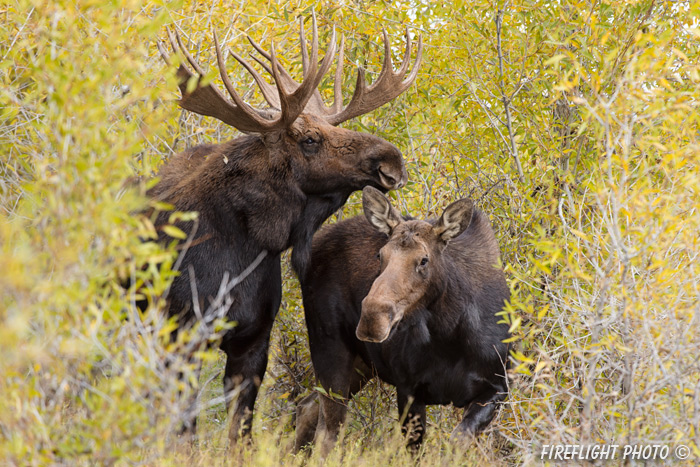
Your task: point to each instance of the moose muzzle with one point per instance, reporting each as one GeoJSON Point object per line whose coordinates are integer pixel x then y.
{"type": "Point", "coordinates": [376, 320]}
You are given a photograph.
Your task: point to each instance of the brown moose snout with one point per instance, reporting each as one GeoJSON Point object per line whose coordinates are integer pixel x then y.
{"type": "Point", "coordinates": [376, 320]}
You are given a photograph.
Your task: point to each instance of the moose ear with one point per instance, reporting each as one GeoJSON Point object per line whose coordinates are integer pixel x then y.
{"type": "Point", "coordinates": [379, 212]}
{"type": "Point", "coordinates": [454, 220]}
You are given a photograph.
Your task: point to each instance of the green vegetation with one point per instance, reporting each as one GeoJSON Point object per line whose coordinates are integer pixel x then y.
{"type": "Point", "coordinates": [574, 125]}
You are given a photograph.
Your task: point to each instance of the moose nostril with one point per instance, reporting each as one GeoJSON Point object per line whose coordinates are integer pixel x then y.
{"type": "Point", "coordinates": [389, 181]}
{"type": "Point", "coordinates": [404, 177]}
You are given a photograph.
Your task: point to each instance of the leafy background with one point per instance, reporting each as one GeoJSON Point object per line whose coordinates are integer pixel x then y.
{"type": "Point", "coordinates": [574, 125]}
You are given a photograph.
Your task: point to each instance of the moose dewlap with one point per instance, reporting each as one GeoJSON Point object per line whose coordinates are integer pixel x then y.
{"type": "Point", "coordinates": [413, 302]}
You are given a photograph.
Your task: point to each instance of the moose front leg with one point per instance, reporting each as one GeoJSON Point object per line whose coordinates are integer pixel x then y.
{"type": "Point", "coordinates": [306, 421]}
{"type": "Point", "coordinates": [478, 415]}
{"type": "Point", "coordinates": [341, 374]}
{"type": "Point", "coordinates": [332, 415]}
{"type": "Point", "coordinates": [412, 418]}
{"type": "Point", "coordinates": [189, 418]}
{"type": "Point", "coordinates": [190, 395]}
{"type": "Point", "coordinates": [311, 408]}
{"type": "Point", "coordinates": [242, 377]}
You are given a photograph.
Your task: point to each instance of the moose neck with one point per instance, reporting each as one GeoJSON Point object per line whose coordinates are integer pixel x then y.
{"type": "Point", "coordinates": [264, 192]}
{"type": "Point", "coordinates": [451, 303]}
{"type": "Point", "coordinates": [317, 209]}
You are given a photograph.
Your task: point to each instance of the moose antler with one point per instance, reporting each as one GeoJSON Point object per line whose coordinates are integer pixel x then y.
{"type": "Point", "coordinates": [208, 100]}
{"type": "Point", "coordinates": [290, 97]}
{"type": "Point", "coordinates": [387, 86]}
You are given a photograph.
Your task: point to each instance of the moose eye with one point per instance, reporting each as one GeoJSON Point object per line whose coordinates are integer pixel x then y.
{"type": "Point", "coordinates": [310, 145]}
{"type": "Point", "coordinates": [424, 261]}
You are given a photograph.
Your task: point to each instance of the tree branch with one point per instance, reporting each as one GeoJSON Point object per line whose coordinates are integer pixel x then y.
{"type": "Point", "coordinates": [504, 99]}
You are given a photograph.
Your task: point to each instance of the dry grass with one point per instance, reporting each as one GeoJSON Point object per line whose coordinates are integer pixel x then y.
{"type": "Point", "coordinates": [599, 237]}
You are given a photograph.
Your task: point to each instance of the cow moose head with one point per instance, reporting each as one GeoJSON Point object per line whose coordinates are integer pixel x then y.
{"type": "Point", "coordinates": [409, 261]}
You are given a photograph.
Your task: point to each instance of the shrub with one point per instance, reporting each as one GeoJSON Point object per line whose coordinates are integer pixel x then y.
{"type": "Point", "coordinates": [575, 127]}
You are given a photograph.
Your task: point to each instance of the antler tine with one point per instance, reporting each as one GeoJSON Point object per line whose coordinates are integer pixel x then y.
{"type": "Point", "coordinates": [338, 81]}
{"type": "Point", "coordinates": [287, 80]}
{"type": "Point", "coordinates": [314, 43]}
{"type": "Point", "coordinates": [267, 90]}
{"type": "Point", "coordinates": [319, 72]}
{"type": "Point", "coordinates": [289, 109]}
{"type": "Point", "coordinates": [262, 64]}
{"type": "Point", "coordinates": [163, 53]}
{"type": "Point", "coordinates": [183, 73]}
{"type": "Point", "coordinates": [304, 52]}
{"type": "Point", "coordinates": [387, 64]}
{"type": "Point", "coordinates": [386, 87]}
{"type": "Point", "coordinates": [416, 64]}
{"type": "Point", "coordinates": [406, 55]}
{"type": "Point", "coordinates": [240, 103]}
{"type": "Point", "coordinates": [257, 47]}
{"type": "Point", "coordinates": [193, 63]}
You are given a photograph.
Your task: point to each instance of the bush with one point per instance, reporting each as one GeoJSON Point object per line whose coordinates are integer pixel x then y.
{"type": "Point", "coordinates": [574, 127]}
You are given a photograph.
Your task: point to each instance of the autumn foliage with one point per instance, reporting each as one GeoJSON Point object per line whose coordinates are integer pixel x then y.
{"type": "Point", "coordinates": [573, 125]}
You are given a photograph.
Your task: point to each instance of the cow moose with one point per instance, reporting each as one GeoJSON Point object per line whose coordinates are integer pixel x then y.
{"type": "Point", "coordinates": [266, 191]}
{"type": "Point", "coordinates": [413, 302]}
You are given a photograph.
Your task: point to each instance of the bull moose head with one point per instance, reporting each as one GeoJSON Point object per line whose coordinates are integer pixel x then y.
{"type": "Point", "coordinates": [298, 127]}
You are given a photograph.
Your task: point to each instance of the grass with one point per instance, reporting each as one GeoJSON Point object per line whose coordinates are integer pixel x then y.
{"type": "Point", "coordinates": [372, 435]}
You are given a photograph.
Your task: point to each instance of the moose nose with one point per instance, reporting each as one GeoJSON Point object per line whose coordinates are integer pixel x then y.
{"type": "Point", "coordinates": [375, 321]}
{"type": "Point", "coordinates": [404, 178]}
{"type": "Point", "coordinates": [391, 178]}
{"type": "Point", "coordinates": [391, 169]}
{"type": "Point", "coordinates": [387, 180]}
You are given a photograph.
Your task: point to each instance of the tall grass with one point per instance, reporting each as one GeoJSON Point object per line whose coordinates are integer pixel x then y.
{"type": "Point", "coordinates": [599, 234]}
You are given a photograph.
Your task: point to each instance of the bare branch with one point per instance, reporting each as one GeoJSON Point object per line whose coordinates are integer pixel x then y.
{"type": "Point", "coordinates": [505, 100]}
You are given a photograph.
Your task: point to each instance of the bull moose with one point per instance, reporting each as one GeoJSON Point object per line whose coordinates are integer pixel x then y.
{"type": "Point", "coordinates": [413, 302]}
{"type": "Point", "coordinates": [268, 190]}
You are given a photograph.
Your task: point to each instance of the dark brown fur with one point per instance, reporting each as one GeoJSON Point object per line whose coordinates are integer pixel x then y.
{"type": "Point", "coordinates": [267, 192]}
{"type": "Point", "coordinates": [442, 346]}
{"type": "Point", "coordinates": [260, 194]}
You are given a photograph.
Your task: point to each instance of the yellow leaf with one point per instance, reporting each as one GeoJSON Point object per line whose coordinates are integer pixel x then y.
{"type": "Point", "coordinates": [579, 234]}
{"type": "Point", "coordinates": [515, 325]}
{"type": "Point", "coordinates": [174, 232]}
{"type": "Point", "coordinates": [555, 59]}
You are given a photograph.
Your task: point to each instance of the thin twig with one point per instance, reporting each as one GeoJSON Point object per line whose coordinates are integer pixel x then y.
{"type": "Point", "coordinates": [505, 100]}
